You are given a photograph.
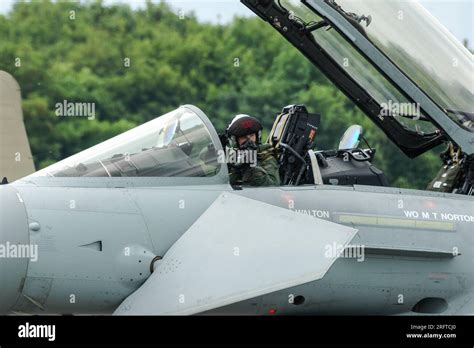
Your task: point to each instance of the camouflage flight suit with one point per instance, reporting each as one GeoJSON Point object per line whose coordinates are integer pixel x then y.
{"type": "Point", "coordinates": [265, 173]}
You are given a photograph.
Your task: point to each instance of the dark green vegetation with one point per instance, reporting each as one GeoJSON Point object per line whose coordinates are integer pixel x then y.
{"type": "Point", "coordinates": [242, 67]}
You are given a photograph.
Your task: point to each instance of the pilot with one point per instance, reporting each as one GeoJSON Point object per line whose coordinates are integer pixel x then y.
{"type": "Point", "coordinates": [256, 164]}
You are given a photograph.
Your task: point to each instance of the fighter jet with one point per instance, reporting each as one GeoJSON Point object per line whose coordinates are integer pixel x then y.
{"type": "Point", "coordinates": [146, 223]}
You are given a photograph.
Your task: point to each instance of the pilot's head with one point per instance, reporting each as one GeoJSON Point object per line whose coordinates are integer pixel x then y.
{"type": "Point", "coordinates": [244, 130]}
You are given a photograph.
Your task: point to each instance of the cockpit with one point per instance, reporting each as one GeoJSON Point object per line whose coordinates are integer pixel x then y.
{"type": "Point", "coordinates": [183, 143]}
{"type": "Point", "coordinates": [182, 147]}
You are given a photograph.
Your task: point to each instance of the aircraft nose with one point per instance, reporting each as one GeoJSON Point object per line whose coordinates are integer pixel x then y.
{"type": "Point", "coordinates": [13, 239]}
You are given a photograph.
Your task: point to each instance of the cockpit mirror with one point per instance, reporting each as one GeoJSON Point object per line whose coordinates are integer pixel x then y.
{"type": "Point", "coordinates": [167, 133]}
{"type": "Point", "coordinates": [351, 138]}
{"type": "Point", "coordinates": [170, 132]}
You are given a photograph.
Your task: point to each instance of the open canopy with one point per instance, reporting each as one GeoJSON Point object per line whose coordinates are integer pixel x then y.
{"type": "Point", "coordinates": [393, 59]}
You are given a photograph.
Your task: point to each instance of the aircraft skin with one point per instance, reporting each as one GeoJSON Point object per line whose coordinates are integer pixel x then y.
{"type": "Point", "coordinates": [135, 217]}
{"type": "Point", "coordinates": [196, 245]}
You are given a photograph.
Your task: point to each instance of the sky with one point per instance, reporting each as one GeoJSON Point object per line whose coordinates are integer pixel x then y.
{"type": "Point", "coordinates": [456, 15]}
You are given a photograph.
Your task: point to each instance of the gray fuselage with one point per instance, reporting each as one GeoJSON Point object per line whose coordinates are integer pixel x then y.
{"type": "Point", "coordinates": [95, 246]}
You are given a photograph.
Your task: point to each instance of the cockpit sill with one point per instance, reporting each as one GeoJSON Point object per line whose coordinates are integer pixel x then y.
{"type": "Point", "coordinates": [217, 184]}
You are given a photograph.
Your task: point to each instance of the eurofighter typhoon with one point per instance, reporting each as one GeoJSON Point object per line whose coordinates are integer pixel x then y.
{"type": "Point", "coordinates": [148, 223]}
